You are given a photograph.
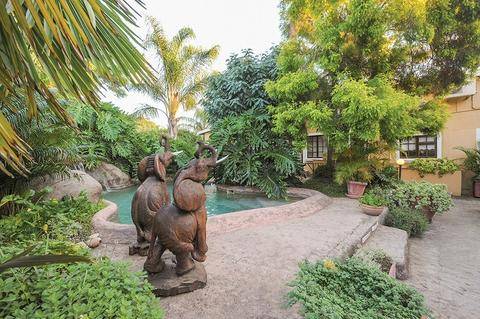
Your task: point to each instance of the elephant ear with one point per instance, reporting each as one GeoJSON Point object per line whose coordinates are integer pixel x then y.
{"type": "Point", "coordinates": [159, 169]}
{"type": "Point", "coordinates": [189, 196]}
{"type": "Point", "coordinates": [142, 169]}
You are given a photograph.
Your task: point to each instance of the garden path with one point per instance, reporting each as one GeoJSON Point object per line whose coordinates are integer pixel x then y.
{"type": "Point", "coordinates": [444, 264]}
{"type": "Point", "coordinates": [249, 269]}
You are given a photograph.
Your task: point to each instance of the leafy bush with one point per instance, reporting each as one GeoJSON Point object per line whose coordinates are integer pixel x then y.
{"type": "Point", "coordinates": [437, 166]}
{"type": "Point", "coordinates": [358, 171]}
{"type": "Point", "coordinates": [372, 199]}
{"type": "Point", "coordinates": [37, 219]}
{"type": "Point", "coordinates": [187, 142]}
{"type": "Point", "coordinates": [472, 162]}
{"type": "Point", "coordinates": [109, 134]}
{"type": "Point", "coordinates": [103, 289]}
{"type": "Point", "coordinates": [240, 87]}
{"type": "Point", "coordinates": [353, 289]}
{"type": "Point", "coordinates": [257, 156]}
{"type": "Point", "coordinates": [385, 176]}
{"type": "Point", "coordinates": [421, 195]}
{"type": "Point", "coordinates": [412, 221]}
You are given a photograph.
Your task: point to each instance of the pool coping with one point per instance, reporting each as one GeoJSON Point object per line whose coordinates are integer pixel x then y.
{"type": "Point", "coordinates": [312, 202]}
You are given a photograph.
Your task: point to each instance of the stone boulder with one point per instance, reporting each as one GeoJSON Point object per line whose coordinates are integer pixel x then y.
{"type": "Point", "coordinates": [111, 177]}
{"type": "Point", "coordinates": [73, 185]}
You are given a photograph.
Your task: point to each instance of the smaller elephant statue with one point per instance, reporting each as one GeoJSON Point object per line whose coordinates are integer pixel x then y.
{"type": "Point", "coordinates": [181, 226]}
{"type": "Point", "coordinates": [151, 194]}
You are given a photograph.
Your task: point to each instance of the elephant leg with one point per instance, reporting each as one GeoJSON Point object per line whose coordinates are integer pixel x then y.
{"type": "Point", "coordinates": [184, 264]}
{"type": "Point", "coordinates": [154, 262]}
{"type": "Point", "coordinates": [201, 248]}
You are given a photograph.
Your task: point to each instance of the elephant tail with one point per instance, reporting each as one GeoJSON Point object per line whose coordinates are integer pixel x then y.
{"type": "Point", "coordinates": [151, 247]}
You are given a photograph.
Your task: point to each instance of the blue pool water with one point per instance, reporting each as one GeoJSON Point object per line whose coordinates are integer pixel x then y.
{"type": "Point", "coordinates": [217, 202]}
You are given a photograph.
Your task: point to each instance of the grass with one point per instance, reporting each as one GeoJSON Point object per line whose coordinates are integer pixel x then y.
{"type": "Point", "coordinates": [325, 186]}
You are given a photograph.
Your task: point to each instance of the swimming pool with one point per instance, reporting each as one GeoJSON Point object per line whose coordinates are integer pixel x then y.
{"type": "Point", "coordinates": [217, 202]}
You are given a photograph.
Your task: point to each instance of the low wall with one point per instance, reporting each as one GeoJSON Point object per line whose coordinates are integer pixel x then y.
{"type": "Point", "coordinates": [453, 181]}
{"type": "Point", "coordinates": [312, 202]}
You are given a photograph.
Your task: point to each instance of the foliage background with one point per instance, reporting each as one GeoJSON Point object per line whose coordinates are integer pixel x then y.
{"type": "Point", "coordinates": [235, 102]}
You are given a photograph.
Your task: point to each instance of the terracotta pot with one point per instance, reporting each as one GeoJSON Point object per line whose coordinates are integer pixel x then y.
{"type": "Point", "coordinates": [476, 188]}
{"type": "Point", "coordinates": [428, 213]}
{"type": "Point", "coordinates": [355, 189]}
{"type": "Point", "coordinates": [372, 210]}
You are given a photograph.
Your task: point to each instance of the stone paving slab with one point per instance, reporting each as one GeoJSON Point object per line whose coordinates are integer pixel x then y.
{"type": "Point", "coordinates": [445, 263]}
{"type": "Point", "coordinates": [249, 269]}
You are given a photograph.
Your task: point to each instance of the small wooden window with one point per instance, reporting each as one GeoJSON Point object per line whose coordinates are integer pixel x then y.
{"type": "Point", "coordinates": [316, 146]}
{"type": "Point", "coordinates": [420, 146]}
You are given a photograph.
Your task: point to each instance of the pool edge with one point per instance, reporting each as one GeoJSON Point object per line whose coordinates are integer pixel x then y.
{"type": "Point", "coordinates": [312, 202]}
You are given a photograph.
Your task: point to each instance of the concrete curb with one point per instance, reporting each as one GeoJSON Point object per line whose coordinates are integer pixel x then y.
{"type": "Point", "coordinates": [312, 202]}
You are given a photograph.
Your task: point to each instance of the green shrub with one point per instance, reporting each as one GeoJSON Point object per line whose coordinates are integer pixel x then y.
{"type": "Point", "coordinates": [372, 199]}
{"type": "Point", "coordinates": [420, 195]}
{"type": "Point", "coordinates": [353, 289]}
{"type": "Point", "coordinates": [37, 219]}
{"type": "Point", "coordinates": [412, 221]}
{"type": "Point", "coordinates": [103, 289]}
{"type": "Point", "coordinates": [358, 171]}
{"type": "Point", "coordinates": [437, 166]}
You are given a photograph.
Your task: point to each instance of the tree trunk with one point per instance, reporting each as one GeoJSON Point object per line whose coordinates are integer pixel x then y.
{"type": "Point", "coordinates": [330, 162]}
{"type": "Point", "coordinates": [172, 128]}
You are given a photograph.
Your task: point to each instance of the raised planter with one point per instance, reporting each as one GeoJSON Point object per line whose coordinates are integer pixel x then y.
{"type": "Point", "coordinates": [372, 210]}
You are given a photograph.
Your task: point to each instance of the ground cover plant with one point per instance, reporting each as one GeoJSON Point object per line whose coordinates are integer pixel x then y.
{"type": "Point", "coordinates": [54, 228]}
{"type": "Point", "coordinates": [372, 199]}
{"type": "Point", "coordinates": [353, 289]}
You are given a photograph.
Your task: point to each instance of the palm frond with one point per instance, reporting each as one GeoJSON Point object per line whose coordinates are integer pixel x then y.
{"type": "Point", "coordinates": [68, 45]}
{"type": "Point", "coordinates": [147, 111]}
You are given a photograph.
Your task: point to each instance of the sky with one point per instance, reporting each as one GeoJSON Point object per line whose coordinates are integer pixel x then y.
{"type": "Point", "coordinates": [232, 24]}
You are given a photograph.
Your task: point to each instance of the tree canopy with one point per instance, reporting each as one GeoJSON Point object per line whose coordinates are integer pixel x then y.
{"type": "Point", "coordinates": [369, 72]}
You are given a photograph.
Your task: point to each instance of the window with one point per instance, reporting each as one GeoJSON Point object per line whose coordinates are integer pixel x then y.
{"type": "Point", "coordinates": [419, 146]}
{"type": "Point", "coordinates": [316, 146]}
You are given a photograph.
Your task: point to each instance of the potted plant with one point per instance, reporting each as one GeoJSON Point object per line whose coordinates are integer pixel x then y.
{"type": "Point", "coordinates": [372, 204]}
{"type": "Point", "coordinates": [356, 175]}
{"type": "Point", "coordinates": [430, 198]}
{"type": "Point", "coordinates": [472, 163]}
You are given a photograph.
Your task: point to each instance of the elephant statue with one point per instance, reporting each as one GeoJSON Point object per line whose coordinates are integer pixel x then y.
{"type": "Point", "coordinates": [150, 195]}
{"type": "Point", "coordinates": [181, 226]}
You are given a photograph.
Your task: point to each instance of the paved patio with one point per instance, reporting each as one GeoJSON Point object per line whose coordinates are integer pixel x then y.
{"type": "Point", "coordinates": [249, 269]}
{"type": "Point", "coordinates": [445, 263]}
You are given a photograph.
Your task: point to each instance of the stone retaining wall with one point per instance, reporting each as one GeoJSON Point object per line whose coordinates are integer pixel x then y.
{"type": "Point", "coordinates": [312, 202]}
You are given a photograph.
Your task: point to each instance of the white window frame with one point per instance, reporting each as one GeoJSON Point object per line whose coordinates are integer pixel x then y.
{"type": "Point", "coordinates": [312, 159]}
{"type": "Point", "coordinates": [439, 149]}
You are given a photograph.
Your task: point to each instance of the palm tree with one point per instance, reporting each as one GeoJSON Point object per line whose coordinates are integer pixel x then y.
{"type": "Point", "coordinates": [61, 48]}
{"type": "Point", "coordinates": [182, 74]}
{"type": "Point", "coordinates": [197, 123]}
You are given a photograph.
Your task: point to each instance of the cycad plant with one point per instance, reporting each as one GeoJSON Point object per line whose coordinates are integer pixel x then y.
{"type": "Point", "coordinates": [53, 48]}
{"type": "Point", "coordinates": [182, 74]}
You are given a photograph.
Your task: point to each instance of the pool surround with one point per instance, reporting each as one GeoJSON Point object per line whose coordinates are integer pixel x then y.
{"type": "Point", "coordinates": [312, 201]}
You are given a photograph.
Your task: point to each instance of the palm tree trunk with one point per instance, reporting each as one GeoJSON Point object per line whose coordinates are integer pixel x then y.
{"type": "Point", "coordinates": [172, 128]}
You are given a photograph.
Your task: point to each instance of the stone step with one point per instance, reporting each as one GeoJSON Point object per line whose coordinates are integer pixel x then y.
{"type": "Point", "coordinates": [394, 242]}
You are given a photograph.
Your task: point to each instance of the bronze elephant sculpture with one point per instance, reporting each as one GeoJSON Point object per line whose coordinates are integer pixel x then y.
{"type": "Point", "coordinates": [181, 226]}
{"type": "Point", "coordinates": [151, 195]}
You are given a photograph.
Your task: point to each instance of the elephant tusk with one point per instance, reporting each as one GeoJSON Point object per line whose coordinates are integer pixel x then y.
{"type": "Point", "coordinates": [222, 159]}
{"type": "Point", "coordinates": [177, 153]}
